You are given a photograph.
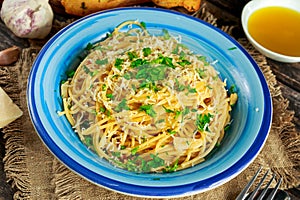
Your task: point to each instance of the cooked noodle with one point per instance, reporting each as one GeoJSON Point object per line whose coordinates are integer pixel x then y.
{"type": "Point", "coordinates": [147, 103]}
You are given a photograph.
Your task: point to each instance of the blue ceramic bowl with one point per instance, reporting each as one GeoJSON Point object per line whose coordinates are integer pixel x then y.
{"type": "Point", "coordinates": [252, 114]}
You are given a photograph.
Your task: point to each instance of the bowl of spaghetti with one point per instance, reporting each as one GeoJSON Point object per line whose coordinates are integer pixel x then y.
{"type": "Point", "coordinates": [136, 103]}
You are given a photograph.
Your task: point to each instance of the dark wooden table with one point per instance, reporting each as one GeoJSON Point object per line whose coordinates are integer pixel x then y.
{"type": "Point", "coordinates": [228, 13]}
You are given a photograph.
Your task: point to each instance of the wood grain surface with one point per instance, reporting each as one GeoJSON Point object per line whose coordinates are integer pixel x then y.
{"type": "Point", "coordinates": [228, 13]}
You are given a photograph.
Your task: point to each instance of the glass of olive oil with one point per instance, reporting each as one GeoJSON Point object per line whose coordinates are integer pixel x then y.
{"type": "Point", "coordinates": [277, 29]}
{"type": "Point", "coordinates": [273, 28]}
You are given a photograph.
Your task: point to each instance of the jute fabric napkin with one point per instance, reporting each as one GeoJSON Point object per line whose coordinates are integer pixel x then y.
{"type": "Point", "coordinates": [36, 174]}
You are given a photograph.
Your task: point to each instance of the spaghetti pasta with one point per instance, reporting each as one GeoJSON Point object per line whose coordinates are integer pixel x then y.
{"type": "Point", "coordinates": [147, 103]}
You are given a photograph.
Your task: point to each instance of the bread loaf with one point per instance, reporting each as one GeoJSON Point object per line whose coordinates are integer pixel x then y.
{"type": "Point", "coordinates": [82, 8]}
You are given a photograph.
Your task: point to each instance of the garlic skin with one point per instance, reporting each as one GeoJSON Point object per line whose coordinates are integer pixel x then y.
{"type": "Point", "coordinates": [27, 18]}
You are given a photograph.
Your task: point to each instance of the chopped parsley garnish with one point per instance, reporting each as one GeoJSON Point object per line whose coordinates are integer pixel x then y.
{"type": "Point", "coordinates": [227, 127]}
{"type": "Point", "coordinates": [109, 35]}
{"type": "Point", "coordinates": [194, 110]}
{"type": "Point", "coordinates": [128, 75]}
{"type": "Point", "coordinates": [101, 62]}
{"type": "Point", "coordinates": [70, 73]}
{"type": "Point", "coordinates": [94, 112]}
{"type": "Point", "coordinates": [166, 34]}
{"type": "Point", "coordinates": [88, 141]}
{"type": "Point", "coordinates": [116, 154]}
{"type": "Point", "coordinates": [134, 150]}
{"type": "Point", "coordinates": [185, 111]}
{"type": "Point", "coordinates": [88, 71]}
{"type": "Point", "coordinates": [191, 90]}
{"type": "Point", "coordinates": [104, 111]}
{"type": "Point", "coordinates": [183, 63]}
{"type": "Point", "coordinates": [122, 106]}
{"type": "Point", "coordinates": [148, 84]}
{"type": "Point", "coordinates": [156, 161]}
{"type": "Point", "coordinates": [176, 50]}
{"type": "Point", "coordinates": [118, 63]}
{"type": "Point", "coordinates": [179, 87]}
{"type": "Point", "coordinates": [143, 24]}
{"type": "Point", "coordinates": [146, 51]}
{"type": "Point", "coordinates": [171, 132]}
{"type": "Point", "coordinates": [201, 72]}
{"type": "Point", "coordinates": [148, 109]}
{"type": "Point", "coordinates": [104, 87]}
{"type": "Point", "coordinates": [182, 55]}
{"type": "Point", "coordinates": [203, 59]}
{"type": "Point", "coordinates": [232, 48]}
{"type": "Point", "coordinates": [167, 61]}
{"type": "Point", "coordinates": [94, 73]}
{"type": "Point", "coordinates": [232, 89]}
{"type": "Point", "coordinates": [151, 73]}
{"type": "Point", "coordinates": [160, 121]}
{"type": "Point", "coordinates": [202, 120]}
{"type": "Point", "coordinates": [172, 168]}
{"type": "Point", "coordinates": [177, 113]}
{"type": "Point", "coordinates": [89, 46]}
{"type": "Point", "coordinates": [138, 62]}
{"type": "Point", "coordinates": [110, 96]}
{"type": "Point", "coordinates": [132, 55]}
{"type": "Point", "coordinates": [168, 110]}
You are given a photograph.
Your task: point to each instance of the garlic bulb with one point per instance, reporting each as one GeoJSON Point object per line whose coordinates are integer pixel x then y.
{"type": "Point", "coordinates": [27, 18]}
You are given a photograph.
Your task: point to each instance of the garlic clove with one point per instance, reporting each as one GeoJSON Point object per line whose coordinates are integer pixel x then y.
{"type": "Point", "coordinates": [9, 55]}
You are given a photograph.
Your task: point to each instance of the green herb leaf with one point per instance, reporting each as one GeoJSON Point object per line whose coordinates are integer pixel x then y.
{"type": "Point", "coordinates": [191, 90]}
{"type": "Point", "coordinates": [194, 110]}
{"type": "Point", "coordinates": [143, 24]}
{"type": "Point", "coordinates": [168, 110]}
{"type": "Point", "coordinates": [159, 121]}
{"type": "Point", "coordinates": [166, 34]}
{"type": "Point", "coordinates": [134, 150]}
{"type": "Point", "coordinates": [171, 132]}
{"type": "Point", "coordinates": [202, 120]}
{"type": "Point", "coordinates": [227, 127]}
{"type": "Point", "coordinates": [94, 73]}
{"type": "Point", "coordinates": [232, 48]}
{"type": "Point", "coordinates": [179, 87]}
{"type": "Point", "coordinates": [104, 87]}
{"type": "Point", "coordinates": [183, 63]}
{"type": "Point", "coordinates": [185, 111]}
{"type": "Point", "coordinates": [86, 69]}
{"type": "Point", "coordinates": [102, 62]}
{"type": "Point", "coordinates": [203, 59]}
{"type": "Point", "coordinates": [110, 96]}
{"type": "Point", "coordinates": [132, 55]}
{"type": "Point", "coordinates": [172, 168]}
{"type": "Point", "coordinates": [128, 75]}
{"type": "Point", "coordinates": [232, 89]}
{"type": "Point", "coordinates": [118, 63]}
{"type": "Point", "coordinates": [148, 109]}
{"type": "Point", "coordinates": [70, 73]}
{"type": "Point", "coordinates": [201, 72]}
{"type": "Point", "coordinates": [156, 161]}
{"type": "Point", "coordinates": [122, 106]}
{"type": "Point", "coordinates": [146, 51]}
{"type": "Point", "coordinates": [116, 154]}
{"type": "Point", "coordinates": [151, 73]}
{"type": "Point", "coordinates": [89, 46]}
{"type": "Point", "coordinates": [88, 140]}
{"type": "Point", "coordinates": [177, 113]}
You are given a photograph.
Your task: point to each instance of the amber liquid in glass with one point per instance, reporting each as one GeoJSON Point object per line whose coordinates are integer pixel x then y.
{"type": "Point", "coordinates": [277, 29]}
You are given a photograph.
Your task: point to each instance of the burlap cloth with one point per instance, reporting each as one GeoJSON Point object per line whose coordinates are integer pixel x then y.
{"type": "Point", "coordinates": [36, 174]}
